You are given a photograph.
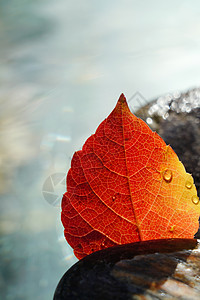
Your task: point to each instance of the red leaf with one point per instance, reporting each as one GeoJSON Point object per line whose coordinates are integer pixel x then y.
{"type": "Point", "coordinates": [127, 185]}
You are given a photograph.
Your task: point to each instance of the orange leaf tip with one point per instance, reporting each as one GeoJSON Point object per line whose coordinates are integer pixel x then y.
{"type": "Point", "coordinates": [122, 104]}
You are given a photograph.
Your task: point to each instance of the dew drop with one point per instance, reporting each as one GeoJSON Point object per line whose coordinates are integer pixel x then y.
{"type": "Point", "coordinates": [113, 197]}
{"type": "Point", "coordinates": [103, 245]}
{"type": "Point", "coordinates": [189, 181]}
{"type": "Point", "coordinates": [167, 175]}
{"type": "Point", "coordinates": [195, 200]}
{"type": "Point", "coordinates": [188, 184]}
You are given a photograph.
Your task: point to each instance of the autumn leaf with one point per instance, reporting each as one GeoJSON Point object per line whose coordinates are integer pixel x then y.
{"type": "Point", "coordinates": [126, 185]}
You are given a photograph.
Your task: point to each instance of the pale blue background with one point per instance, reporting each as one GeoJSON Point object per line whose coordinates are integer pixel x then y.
{"type": "Point", "coordinates": [63, 65]}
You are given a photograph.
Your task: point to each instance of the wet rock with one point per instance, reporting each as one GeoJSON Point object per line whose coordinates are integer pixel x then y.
{"type": "Point", "coordinates": [159, 269]}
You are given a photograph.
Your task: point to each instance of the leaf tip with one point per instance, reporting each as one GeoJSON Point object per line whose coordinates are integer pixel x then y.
{"type": "Point", "coordinates": [122, 103]}
{"type": "Point", "coordinates": [122, 99]}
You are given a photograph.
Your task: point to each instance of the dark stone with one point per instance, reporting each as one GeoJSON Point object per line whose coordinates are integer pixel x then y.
{"type": "Point", "coordinates": [155, 269]}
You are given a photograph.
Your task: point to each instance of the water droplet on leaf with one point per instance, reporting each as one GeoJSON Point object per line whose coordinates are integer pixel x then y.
{"type": "Point", "coordinates": [188, 184]}
{"type": "Point", "coordinates": [195, 200]}
{"type": "Point", "coordinates": [189, 181]}
{"type": "Point", "coordinates": [167, 175]}
{"type": "Point", "coordinates": [103, 245]}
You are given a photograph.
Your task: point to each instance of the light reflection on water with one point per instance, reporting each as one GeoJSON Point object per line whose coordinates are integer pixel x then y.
{"type": "Point", "coordinates": [63, 66]}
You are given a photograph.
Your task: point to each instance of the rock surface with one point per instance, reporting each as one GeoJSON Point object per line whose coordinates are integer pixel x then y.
{"type": "Point", "coordinates": [158, 269]}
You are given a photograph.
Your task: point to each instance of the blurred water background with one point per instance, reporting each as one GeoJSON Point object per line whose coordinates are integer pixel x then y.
{"type": "Point", "coordinates": [63, 65]}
